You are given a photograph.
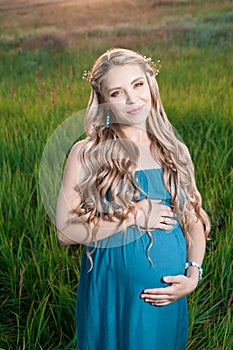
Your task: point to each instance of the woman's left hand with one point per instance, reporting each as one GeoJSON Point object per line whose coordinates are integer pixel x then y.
{"type": "Point", "coordinates": [180, 286]}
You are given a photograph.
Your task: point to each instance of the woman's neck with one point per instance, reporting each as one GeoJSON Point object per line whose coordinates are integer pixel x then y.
{"type": "Point", "coordinates": [137, 134]}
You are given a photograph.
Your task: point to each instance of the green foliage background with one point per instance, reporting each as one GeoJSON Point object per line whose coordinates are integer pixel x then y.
{"type": "Point", "coordinates": [42, 87]}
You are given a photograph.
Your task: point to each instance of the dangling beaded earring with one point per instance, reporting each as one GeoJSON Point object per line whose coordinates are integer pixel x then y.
{"type": "Point", "coordinates": [107, 121]}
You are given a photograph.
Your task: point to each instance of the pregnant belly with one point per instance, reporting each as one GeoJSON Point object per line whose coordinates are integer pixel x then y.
{"type": "Point", "coordinates": [133, 263]}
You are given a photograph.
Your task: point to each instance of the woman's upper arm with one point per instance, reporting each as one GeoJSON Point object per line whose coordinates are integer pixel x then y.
{"type": "Point", "coordinates": [71, 175]}
{"type": "Point", "coordinates": [69, 198]}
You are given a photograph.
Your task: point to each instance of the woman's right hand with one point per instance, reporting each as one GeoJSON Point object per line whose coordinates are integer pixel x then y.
{"type": "Point", "coordinates": [160, 216]}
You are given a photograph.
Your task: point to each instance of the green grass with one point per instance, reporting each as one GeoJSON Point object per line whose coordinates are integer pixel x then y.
{"type": "Point", "coordinates": [39, 278]}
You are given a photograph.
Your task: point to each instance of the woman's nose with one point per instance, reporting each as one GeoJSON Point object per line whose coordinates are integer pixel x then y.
{"type": "Point", "coordinates": [131, 97]}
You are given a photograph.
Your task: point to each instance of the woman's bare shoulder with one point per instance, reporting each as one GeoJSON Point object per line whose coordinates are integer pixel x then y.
{"type": "Point", "coordinates": [76, 149]}
{"type": "Point", "coordinates": [79, 145]}
{"type": "Point", "coordinates": [73, 169]}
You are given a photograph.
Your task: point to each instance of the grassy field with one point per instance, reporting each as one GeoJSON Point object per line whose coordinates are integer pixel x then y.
{"type": "Point", "coordinates": [40, 86]}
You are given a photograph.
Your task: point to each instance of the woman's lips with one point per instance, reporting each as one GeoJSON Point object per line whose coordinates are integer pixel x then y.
{"type": "Point", "coordinates": [135, 110]}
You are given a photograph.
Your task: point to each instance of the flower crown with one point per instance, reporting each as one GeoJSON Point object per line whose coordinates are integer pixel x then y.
{"type": "Point", "coordinates": [87, 76]}
{"type": "Point", "coordinates": [156, 66]}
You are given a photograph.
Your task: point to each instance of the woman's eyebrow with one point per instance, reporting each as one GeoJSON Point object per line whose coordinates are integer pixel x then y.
{"type": "Point", "coordinates": [119, 87]}
{"type": "Point", "coordinates": [115, 88]}
{"type": "Point", "coordinates": [137, 79]}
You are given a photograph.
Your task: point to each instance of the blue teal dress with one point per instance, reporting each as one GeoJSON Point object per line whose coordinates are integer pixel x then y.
{"type": "Point", "coordinates": [110, 314]}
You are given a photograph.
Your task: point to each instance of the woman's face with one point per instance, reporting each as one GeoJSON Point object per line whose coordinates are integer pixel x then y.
{"type": "Point", "coordinates": [127, 91]}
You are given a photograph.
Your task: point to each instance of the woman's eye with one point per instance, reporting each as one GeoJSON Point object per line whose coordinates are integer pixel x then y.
{"type": "Point", "coordinates": [116, 93]}
{"type": "Point", "coordinates": [140, 83]}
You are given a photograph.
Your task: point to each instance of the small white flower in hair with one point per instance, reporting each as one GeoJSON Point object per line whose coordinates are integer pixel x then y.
{"type": "Point", "coordinates": [154, 65]}
{"type": "Point", "coordinates": [87, 76]}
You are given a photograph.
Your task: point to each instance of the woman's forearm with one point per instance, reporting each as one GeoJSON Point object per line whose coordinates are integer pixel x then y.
{"type": "Point", "coordinates": [79, 231]}
{"type": "Point", "coordinates": [196, 248]}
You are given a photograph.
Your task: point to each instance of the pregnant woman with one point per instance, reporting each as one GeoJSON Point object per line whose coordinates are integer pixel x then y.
{"type": "Point", "coordinates": [129, 196]}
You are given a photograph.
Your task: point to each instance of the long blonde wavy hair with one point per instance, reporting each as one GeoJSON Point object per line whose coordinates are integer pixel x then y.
{"type": "Point", "coordinates": [109, 187]}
